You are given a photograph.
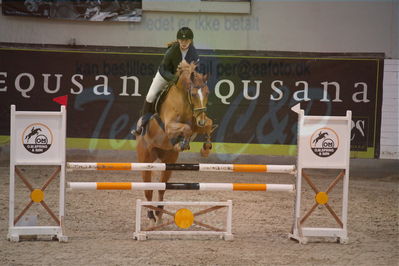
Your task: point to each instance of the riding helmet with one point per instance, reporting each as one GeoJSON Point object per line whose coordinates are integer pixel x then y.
{"type": "Point", "coordinates": [185, 33]}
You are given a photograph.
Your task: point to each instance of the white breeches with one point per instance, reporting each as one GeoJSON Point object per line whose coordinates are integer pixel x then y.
{"type": "Point", "coordinates": [158, 84]}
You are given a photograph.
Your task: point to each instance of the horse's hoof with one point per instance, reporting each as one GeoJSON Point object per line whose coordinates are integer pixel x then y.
{"type": "Point", "coordinates": [184, 145]}
{"type": "Point", "coordinates": [207, 146]}
{"type": "Point", "coordinates": [177, 147]}
{"type": "Point", "coordinates": [159, 221]}
{"type": "Point", "coordinates": [204, 153]}
{"type": "Point", "coordinates": [151, 217]}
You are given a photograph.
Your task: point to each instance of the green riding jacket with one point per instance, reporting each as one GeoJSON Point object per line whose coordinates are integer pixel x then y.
{"type": "Point", "coordinates": [172, 58]}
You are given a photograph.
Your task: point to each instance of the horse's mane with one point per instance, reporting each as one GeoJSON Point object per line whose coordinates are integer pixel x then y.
{"type": "Point", "coordinates": [185, 67]}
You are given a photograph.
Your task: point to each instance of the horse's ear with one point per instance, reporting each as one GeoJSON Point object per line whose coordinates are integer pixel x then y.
{"type": "Point", "coordinates": [205, 77]}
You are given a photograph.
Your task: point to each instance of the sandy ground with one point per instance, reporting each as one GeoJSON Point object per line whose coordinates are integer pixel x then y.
{"type": "Point", "coordinates": [100, 224]}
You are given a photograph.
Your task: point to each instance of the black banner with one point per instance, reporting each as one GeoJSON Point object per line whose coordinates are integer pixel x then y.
{"type": "Point", "coordinates": [250, 99]}
{"type": "Point", "coordinates": [93, 10]}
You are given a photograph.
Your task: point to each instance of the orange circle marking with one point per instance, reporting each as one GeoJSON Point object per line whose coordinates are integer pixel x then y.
{"type": "Point", "coordinates": [321, 198]}
{"type": "Point", "coordinates": [184, 218]}
{"type": "Point", "coordinates": [37, 195]}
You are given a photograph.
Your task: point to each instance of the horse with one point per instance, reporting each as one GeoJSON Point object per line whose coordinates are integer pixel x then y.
{"type": "Point", "coordinates": [33, 131]}
{"type": "Point", "coordinates": [179, 119]}
{"type": "Point", "coordinates": [322, 135]}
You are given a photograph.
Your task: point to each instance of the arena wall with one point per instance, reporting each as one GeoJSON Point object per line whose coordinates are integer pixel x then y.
{"type": "Point", "coordinates": [304, 26]}
{"type": "Point", "coordinates": [298, 26]}
{"type": "Point", "coordinates": [390, 111]}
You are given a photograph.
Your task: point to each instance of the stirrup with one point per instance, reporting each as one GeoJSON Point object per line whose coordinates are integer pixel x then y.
{"type": "Point", "coordinates": [139, 127]}
{"type": "Point", "coordinates": [143, 120]}
{"type": "Point", "coordinates": [137, 131]}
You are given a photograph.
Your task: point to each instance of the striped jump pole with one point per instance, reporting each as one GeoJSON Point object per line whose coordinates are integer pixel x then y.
{"type": "Point", "coordinates": [289, 169]}
{"type": "Point", "coordinates": [179, 186]}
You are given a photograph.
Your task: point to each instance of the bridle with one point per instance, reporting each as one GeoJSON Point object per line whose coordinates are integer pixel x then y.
{"type": "Point", "coordinates": [196, 111]}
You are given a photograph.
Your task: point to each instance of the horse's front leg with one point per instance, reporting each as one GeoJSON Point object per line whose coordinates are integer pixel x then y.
{"type": "Point", "coordinates": [206, 148]}
{"type": "Point", "coordinates": [207, 131]}
{"type": "Point", "coordinates": [179, 134]}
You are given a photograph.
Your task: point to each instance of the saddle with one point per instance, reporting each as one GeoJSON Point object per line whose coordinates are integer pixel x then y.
{"type": "Point", "coordinates": [156, 108]}
{"type": "Point", "coordinates": [161, 98]}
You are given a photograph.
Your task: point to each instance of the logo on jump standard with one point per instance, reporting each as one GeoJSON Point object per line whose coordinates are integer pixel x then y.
{"type": "Point", "coordinates": [324, 142]}
{"type": "Point", "coordinates": [37, 138]}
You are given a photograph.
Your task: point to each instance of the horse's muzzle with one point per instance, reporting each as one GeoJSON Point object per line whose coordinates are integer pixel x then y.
{"type": "Point", "coordinates": [201, 123]}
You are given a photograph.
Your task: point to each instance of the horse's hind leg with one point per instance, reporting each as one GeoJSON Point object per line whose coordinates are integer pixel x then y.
{"type": "Point", "coordinates": [148, 194]}
{"type": "Point", "coordinates": [168, 157]}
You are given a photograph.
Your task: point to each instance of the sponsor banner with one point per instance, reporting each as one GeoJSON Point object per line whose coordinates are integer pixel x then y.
{"type": "Point", "coordinates": [250, 100]}
{"type": "Point", "coordinates": [92, 10]}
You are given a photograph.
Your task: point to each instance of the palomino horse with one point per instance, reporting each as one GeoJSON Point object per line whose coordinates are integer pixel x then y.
{"type": "Point", "coordinates": [181, 116]}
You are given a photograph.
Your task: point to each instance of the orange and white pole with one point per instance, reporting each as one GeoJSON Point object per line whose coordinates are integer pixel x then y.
{"type": "Point", "coordinates": [179, 186]}
{"type": "Point", "coordinates": [260, 168]}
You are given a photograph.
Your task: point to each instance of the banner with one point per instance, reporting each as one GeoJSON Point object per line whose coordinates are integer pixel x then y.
{"type": "Point", "coordinates": [250, 100]}
{"type": "Point", "coordinates": [93, 10]}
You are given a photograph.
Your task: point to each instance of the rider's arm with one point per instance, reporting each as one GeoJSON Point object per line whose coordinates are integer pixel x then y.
{"type": "Point", "coordinates": [192, 56]}
{"type": "Point", "coordinates": [166, 64]}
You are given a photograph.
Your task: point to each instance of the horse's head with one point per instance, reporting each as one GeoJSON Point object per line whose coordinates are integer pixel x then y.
{"type": "Point", "coordinates": [198, 95]}
{"type": "Point", "coordinates": [197, 89]}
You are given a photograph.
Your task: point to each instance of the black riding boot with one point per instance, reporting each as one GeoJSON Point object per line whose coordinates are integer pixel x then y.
{"type": "Point", "coordinates": [146, 114]}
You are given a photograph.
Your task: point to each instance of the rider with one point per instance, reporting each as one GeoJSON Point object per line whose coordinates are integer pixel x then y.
{"type": "Point", "coordinates": [181, 49]}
